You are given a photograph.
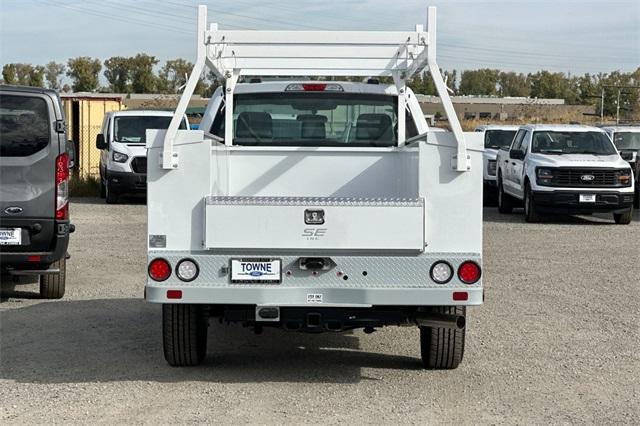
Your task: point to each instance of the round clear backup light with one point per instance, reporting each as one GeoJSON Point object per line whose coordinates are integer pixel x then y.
{"type": "Point", "coordinates": [187, 270]}
{"type": "Point", "coordinates": [441, 272]}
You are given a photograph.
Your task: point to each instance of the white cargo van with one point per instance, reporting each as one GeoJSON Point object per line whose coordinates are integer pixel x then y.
{"type": "Point", "coordinates": [123, 156]}
{"type": "Point", "coordinates": [315, 205]}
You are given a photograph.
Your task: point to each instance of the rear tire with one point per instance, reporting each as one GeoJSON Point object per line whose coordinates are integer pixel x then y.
{"type": "Point", "coordinates": [531, 213]}
{"type": "Point", "coordinates": [505, 203]}
{"type": "Point", "coordinates": [103, 189]}
{"type": "Point", "coordinates": [111, 197]}
{"type": "Point", "coordinates": [623, 218]}
{"type": "Point", "coordinates": [443, 348]}
{"type": "Point", "coordinates": [52, 286]}
{"type": "Point", "coordinates": [184, 333]}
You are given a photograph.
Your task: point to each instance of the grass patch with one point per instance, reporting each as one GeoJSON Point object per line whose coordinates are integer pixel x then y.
{"type": "Point", "coordinates": [88, 186]}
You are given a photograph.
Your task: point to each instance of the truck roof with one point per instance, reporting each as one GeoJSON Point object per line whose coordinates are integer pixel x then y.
{"type": "Point", "coordinates": [561, 128]}
{"type": "Point", "coordinates": [347, 87]}
{"type": "Point", "coordinates": [142, 112]}
{"type": "Point", "coordinates": [630, 129]}
{"type": "Point", "coordinates": [486, 127]}
{"type": "Point", "coordinates": [27, 89]}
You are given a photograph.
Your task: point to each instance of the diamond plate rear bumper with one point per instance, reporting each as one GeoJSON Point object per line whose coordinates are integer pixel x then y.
{"type": "Point", "coordinates": [371, 280]}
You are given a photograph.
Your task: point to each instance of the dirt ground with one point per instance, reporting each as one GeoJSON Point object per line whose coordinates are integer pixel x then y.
{"type": "Point", "coordinates": [557, 341]}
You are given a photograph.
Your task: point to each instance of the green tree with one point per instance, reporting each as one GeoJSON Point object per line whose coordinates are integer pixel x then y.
{"type": "Point", "coordinates": [513, 84]}
{"type": "Point", "coordinates": [479, 82]}
{"type": "Point", "coordinates": [423, 84]}
{"type": "Point", "coordinates": [117, 72]}
{"type": "Point", "coordinates": [84, 71]}
{"type": "Point", "coordinates": [36, 76]}
{"type": "Point", "coordinates": [143, 79]}
{"type": "Point", "coordinates": [545, 84]}
{"type": "Point", "coordinates": [174, 74]}
{"type": "Point", "coordinates": [52, 73]}
{"type": "Point", "coordinates": [10, 74]}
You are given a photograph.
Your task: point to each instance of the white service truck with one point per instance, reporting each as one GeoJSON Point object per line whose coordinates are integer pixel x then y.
{"type": "Point", "coordinates": [496, 136]}
{"type": "Point", "coordinates": [314, 204]}
{"type": "Point", "coordinates": [569, 169]}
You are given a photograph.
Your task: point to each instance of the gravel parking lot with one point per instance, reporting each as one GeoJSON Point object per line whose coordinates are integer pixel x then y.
{"type": "Point", "coordinates": [557, 341]}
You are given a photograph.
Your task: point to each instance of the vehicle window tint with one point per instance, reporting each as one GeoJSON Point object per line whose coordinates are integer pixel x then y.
{"type": "Point", "coordinates": [315, 119]}
{"type": "Point", "coordinates": [518, 140]}
{"type": "Point", "coordinates": [25, 127]}
{"type": "Point", "coordinates": [525, 143]}
{"type": "Point", "coordinates": [627, 140]}
{"type": "Point", "coordinates": [497, 139]}
{"type": "Point", "coordinates": [568, 142]}
{"type": "Point", "coordinates": [133, 129]}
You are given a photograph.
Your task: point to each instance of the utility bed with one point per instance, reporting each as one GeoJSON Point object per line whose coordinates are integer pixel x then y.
{"type": "Point", "coordinates": [314, 205]}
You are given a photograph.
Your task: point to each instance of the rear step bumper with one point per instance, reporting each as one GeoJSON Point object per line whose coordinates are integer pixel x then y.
{"type": "Point", "coordinates": [33, 271]}
{"type": "Point", "coordinates": [320, 297]}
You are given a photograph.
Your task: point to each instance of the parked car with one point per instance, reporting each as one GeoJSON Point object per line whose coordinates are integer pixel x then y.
{"type": "Point", "coordinates": [627, 140]}
{"type": "Point", "coordinates": [35, 157]}
{"type": "Point", "coordinates": [568, 169]}
{"type": "Point", "coordinates": [495, 137]}
{"type": "Point", "coordinates": [123, 155]}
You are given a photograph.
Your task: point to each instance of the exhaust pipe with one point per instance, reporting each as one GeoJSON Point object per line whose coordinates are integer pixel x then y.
{"type": "Point", "coordinates": [437, 320]}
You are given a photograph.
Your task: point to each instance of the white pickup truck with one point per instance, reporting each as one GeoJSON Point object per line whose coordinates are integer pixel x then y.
{"type": "Point", "coordinates": [314, 205]}
{"type": "Point", "coordinates": [627, 141]}
{"type": "Point", "coordinates": [567, 169]}
{"type": "Point", "coordinates": [496, 136]}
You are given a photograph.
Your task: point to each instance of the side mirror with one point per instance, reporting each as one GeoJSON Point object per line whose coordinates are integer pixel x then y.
{"type": "Point", "coordinates": [100, 141]}
{"type": "Point", "coordinates": [71, 152]}
{"type": "Point", "coordinates": [516, 155]}
{"type": "Point", "coordinates": [628, 156]}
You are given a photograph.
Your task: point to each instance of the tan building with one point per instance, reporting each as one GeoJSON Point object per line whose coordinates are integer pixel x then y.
{"type": "Point", "coordinates": [492, 108]}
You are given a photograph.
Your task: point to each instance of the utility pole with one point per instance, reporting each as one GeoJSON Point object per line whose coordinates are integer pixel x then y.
{"type": "Point", "coordinates": [602, 106]}
{"type": "Point", "coordinates": [618, 108]}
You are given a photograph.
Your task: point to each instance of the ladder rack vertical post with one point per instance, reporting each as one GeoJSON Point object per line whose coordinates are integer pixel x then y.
{"type": "Point", "coordinates": [230, 86]}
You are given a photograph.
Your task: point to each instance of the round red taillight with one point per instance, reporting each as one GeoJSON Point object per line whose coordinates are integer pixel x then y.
{"type": "Point", "coordinates": [159, 269]}
{"type": "Point", "coordinates": [469, 272]}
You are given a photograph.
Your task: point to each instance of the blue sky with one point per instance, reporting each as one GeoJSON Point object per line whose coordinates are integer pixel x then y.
{"type": "Point", "coordinates": [574, 36]}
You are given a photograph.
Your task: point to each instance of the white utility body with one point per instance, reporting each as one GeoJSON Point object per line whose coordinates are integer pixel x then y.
{"type": "Point", "coordinates": [314, 204]}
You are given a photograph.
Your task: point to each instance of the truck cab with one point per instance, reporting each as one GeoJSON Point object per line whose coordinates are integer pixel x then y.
{"type": "Point", "coordinates": [495, 137]}
{"type": "Point", "coordinates": [35, 158]}
{"type": "Point", "coordinates": [627, 141]}
{"type": "Point", "coordinates": [568, 169]}
{"type": "Point", "coordinates": [123, 156]}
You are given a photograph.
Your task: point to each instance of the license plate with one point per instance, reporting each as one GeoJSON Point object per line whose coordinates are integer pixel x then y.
{"type": "Point", "coordinates": [10, 236]}
{"type": "Point", "coordinates": [248, 271]}
{"type": "Point", "coordinates": [587, 198]}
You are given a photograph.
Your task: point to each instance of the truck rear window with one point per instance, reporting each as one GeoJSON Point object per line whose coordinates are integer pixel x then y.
{"type": "Point", "coordinates": [313, 119]}
{"type": "Point", "coordinates": [25, 127]}
{"type": "Point", "coordinates": [132, 129]}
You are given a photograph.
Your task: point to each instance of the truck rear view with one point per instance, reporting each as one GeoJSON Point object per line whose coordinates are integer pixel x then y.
{"type": "Point", "coordinates": [315, 205]}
